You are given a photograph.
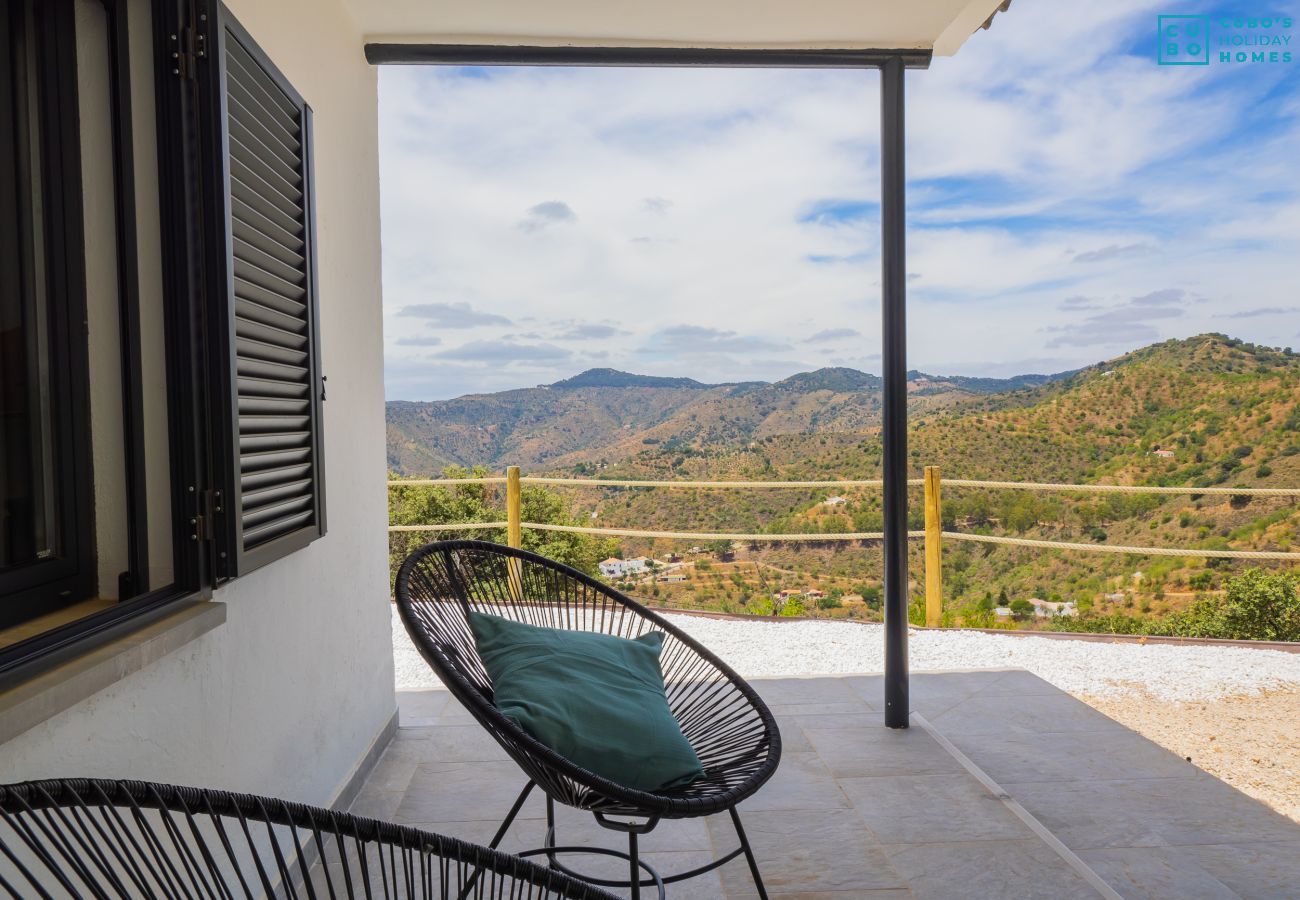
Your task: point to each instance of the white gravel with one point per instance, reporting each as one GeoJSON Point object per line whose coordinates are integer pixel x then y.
{"type": "Point", "coordinates": [794, 649]}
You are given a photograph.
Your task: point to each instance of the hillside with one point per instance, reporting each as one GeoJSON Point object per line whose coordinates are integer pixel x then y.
{"type": "Point", "coordinates": [1219, 411]}
{"type": "Point", "coordinates": [1208, 410]}
{"type": "Point", "coordinates": [603, 415]}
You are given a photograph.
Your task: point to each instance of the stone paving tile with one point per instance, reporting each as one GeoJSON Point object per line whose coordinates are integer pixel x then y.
{"type": "Point", "coordinates": [887, 894]}
{"type": "Point", "coordinates": [1155, 873]}
{"type": "Point", "coordinates": [1080, 756]}
{"type": "Point", "coordinates": [454, 791]}
{"type": "Point", "coordinates": [916, 809]}
{"type": "Point", "coordinates": [807, 850]}
{"type": "Point", "coordinates": [802, 781]}
{"type": "Point", "coordinates": [1015, 683]}
{"type": "Point", "coordinates": [804, 691]}
{"type": "Point", "coordinates": [1260, 871]}
{"type": "Point", "coordinates": [1198, 809]}
{"type": "Point", "coordinates": [1030, 713]}
{"type": "Point", "coordinates": [1021, 869]}
{"type": "Point", "coordinates": [873, 751]}
{"type": "Point", "coordinates": [421, 707]}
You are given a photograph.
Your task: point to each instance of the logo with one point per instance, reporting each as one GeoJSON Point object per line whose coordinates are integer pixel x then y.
{"type": "Point", "coordinates": [1184, 40]}
{"type": "Point", "coordinates": [1223, 39]}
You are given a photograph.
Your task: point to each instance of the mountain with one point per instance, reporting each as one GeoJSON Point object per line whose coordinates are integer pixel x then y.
{"type": "Point", "coordinates": [1205, 411]}
{"type": "Point", "coordinates": [616, 379]}
{"type": "Point", "coordinates": [605, 414]}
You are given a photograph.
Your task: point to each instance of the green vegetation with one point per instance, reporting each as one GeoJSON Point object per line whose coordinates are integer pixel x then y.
{"type": "Point", "coordinates": [438, 504]}
{"type": "Point", "coordinates": [1206, 411]}
{"type": "Point", "coordinates": [1258, 605]}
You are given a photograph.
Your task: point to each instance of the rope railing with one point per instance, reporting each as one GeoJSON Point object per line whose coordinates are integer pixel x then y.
{"type": "Point", "coordinates": [616, 482]}
{"type": "Point", "coordinates": [852, 483]}
{"type": "Point", "coordinates": [1122, 488]}
{"type": "Point", "coordinates": [1186, 552]}
{"type": "Point", "coordinates": [932, 534]}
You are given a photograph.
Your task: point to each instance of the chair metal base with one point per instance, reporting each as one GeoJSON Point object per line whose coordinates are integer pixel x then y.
{"type": "Point", "coordinates": [551, 850]}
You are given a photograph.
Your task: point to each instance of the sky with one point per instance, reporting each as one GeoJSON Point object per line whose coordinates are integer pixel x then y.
{"type": "Point", "coordinates": [1068, 200]}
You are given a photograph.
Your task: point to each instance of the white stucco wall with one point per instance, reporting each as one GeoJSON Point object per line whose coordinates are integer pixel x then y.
{"type": "Point", "coordinates": [287, 696]}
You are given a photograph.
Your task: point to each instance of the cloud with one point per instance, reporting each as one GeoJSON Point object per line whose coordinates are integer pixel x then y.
{"type": "Point", "coordinates": [1022, 161]}
{"type": "Point", "coordinates": [832, 334]}
{"type": "Point", "coordinates": [1113, 252]}
{"type": "Point", "coordinates": [1077, 302]}
{"type": "Point", "coordinates": [549, 213]}
{"type": "Point", "coordinates": [1260, 311]}
{"type": "Point", "coordinates": [452, 315]}
{"type": "Point", "coordinates": [505, 353]}
{"type": "Point", "coordinates": [692, 339]}
{"type": "Point", "coordinates": [1163, 297]}
{"type": "Point", "coordinates": [1127, 323]}
{"type": "Point", "coordinates": [419, 341]}
{"type": "Point", "coordinates": [589, 331]}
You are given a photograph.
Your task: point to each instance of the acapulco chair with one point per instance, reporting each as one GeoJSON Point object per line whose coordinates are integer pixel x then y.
{"type": "Point", "coordinates": [134, 840]}
{"type": "Point", "coordinates": [730, 728]}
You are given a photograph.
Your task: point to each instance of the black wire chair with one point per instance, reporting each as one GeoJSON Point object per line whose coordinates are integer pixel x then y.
{"type": "Point", "coordinates": [731, 729]}
{"type": "Point", "coordinates": [131, 839]}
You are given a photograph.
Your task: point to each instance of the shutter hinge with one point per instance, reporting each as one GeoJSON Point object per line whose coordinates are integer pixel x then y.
{"type": "Point", "coordinates": [187, 47]}
{"type": "Point", "coordinates": [204, 521]}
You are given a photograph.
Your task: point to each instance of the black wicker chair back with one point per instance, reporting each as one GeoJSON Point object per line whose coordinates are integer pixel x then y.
{"type": "Point", "coordinates": [128, 839]}
{"type": "Point", "coordinates": [730, 728]}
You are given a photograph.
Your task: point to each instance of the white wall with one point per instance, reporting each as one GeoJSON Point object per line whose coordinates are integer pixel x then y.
{"type": "Point", "coordinates": [288, 695]}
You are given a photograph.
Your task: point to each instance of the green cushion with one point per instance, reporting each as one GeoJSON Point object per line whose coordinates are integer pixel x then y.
{"type": "Point", "coordinates": [595, 699]}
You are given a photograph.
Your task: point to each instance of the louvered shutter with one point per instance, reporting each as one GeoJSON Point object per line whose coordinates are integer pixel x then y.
{"type": "Point", "coordinates": [274, 503]}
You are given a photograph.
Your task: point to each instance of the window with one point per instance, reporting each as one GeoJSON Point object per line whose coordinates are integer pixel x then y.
{"type": "Point", "coordinates": [160, 386]}
{"type": "Point", "coordinates": [46, 547]}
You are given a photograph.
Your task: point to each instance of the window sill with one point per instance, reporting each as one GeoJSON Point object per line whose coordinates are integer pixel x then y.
{"type": "Point", "coordinates": [27, 701]}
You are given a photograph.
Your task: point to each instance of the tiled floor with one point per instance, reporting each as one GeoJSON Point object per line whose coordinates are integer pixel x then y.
{"type": "Point", "coordinates": [1005, 787]}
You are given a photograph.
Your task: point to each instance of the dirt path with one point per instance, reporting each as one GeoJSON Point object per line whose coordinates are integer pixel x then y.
{"type": "Point", "coordinates": [1252, 743]}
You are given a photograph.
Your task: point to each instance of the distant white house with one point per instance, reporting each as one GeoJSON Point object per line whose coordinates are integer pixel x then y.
{"type": "Point", "coordinates": [619, 568]}
{"type": "Point", "coordinates": [1163, 454]}
{"type": "Point", "coordinates": [1047, 608]}
{"type": "Point", "coordinates": [835, 501]}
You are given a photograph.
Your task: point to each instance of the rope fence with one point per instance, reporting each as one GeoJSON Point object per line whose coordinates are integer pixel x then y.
{"type": "Point", "coordinates": [872, 483]}
{"type": "Point", "coordinates": [932, 534]}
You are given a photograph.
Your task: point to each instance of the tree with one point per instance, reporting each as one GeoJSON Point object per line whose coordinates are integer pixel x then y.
{"type": "Point", "coordinates": [1021, 608]}
{"type": "Point", "coordinates": [448, 504]}
{"type": "Point", "coordinates": [1003, 600]}
{"type": "Point", "coordinates": [1263, 606]}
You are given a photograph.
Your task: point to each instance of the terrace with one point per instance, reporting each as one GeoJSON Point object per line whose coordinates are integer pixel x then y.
{"type": "Point", "coordinates": [1004, 786]}
{"type": "Point", "coordinates": [199, 228]}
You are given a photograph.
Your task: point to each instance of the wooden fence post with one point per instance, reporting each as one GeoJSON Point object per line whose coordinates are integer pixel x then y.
{"type": "Point", "coordinates": [514, 508]}
{"type": "Point", "coordinates": [933, 549]}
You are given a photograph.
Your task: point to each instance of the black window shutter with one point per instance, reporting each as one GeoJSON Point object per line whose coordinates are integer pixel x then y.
{"type": "Point", "coordinates": [273, 498]}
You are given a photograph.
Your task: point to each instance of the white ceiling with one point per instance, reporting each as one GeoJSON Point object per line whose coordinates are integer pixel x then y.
{"type": "Point", "coordinates": [941, 25]}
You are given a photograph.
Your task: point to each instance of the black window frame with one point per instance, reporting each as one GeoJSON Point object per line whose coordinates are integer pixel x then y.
{"type": "Point", "coordinates": [27, 590]}
{"type": "Point", "coordinates": [62, 149]}
{"type": "Point", "coordinates": [198, 325]}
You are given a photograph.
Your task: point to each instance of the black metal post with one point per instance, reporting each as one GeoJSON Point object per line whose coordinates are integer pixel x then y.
{"type": "Point", "coordinates": [893, 282]}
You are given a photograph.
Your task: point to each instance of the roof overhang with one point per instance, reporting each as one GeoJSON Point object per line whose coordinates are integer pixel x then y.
{"type": "Point", "coordinates": [578, 31]}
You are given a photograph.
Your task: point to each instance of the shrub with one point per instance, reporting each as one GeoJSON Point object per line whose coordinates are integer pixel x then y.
{"type": "Point", "coordinates": [1260, 605]}
{"type": "Point", "coordinates": [1022, 607]}
{"type": "Point", "coordinates": [793, 607]}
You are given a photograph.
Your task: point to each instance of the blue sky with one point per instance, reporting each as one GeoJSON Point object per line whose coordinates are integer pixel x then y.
{"type": "Point", "coordinates": [1069, 200]}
